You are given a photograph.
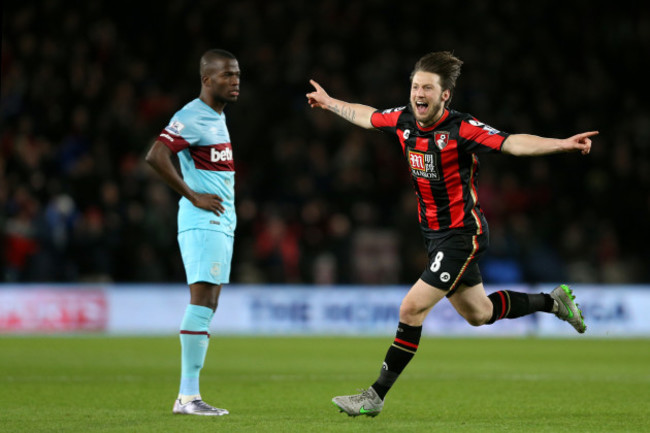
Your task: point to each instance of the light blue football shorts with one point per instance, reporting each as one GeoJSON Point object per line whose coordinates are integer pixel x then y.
{"type": "Point", "coordinates": [206, 255]}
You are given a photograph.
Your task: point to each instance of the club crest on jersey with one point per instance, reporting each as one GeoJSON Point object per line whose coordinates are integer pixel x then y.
{"type": "Point", "coordinates": [215, 270]}
{"type": "Point", "coordinates": [441, 138]}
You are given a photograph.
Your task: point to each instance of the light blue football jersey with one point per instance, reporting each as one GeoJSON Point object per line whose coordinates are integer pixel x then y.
{"type": "Point", "coordinates": [199, 136]}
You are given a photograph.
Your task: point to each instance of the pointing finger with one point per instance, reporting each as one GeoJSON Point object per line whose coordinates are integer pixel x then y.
{"type": "Point", "coordinates": [316, 85]}
{"type": "Point", "coordinates": [587, 134]}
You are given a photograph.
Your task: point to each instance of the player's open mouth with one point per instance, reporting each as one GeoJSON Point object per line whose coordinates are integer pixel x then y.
{"type": "Point", "coordinates": [234, 93]}
{"type": "Point", "coordinates": [421, 107]}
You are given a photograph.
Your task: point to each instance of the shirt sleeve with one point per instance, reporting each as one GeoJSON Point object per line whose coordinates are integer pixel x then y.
{"type": "Point", "coordinates": [386, 120]}
{"type": "Point", "coordinates": [179, 134]}
{"type": "Point", "coordinates": [478, 137]}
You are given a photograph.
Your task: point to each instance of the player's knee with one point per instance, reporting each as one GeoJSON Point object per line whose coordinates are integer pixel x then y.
{"type": "Point", "coordinates": [203, 302]}
{"type": "Point", "coordinates": [212, 302]}
{"type": "Point", "coordinates": [476, 317]}
{"type": "Point", "coordinates": [474, 320]}
{"type": "Point", "coordinates": [205, 295]}
{"type": "Point", "coordinates": [406, 309]}
{"type": "Point", "coordinates": [410, 312]}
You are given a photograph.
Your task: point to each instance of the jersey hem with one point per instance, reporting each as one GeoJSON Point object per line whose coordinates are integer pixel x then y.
{"type": "Point", "coordinates": [227, 233]}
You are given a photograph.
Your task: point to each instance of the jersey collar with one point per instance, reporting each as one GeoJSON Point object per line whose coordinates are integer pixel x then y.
{"type": "Point", "coordinates": [210, 109]}
{"type": "Point", "coordinates": [444, 116]}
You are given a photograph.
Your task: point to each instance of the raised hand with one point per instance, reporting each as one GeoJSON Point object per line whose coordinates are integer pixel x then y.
{"type": "Point", "coordinates": [581, 142]}
{"type": "Point", "coordinates": [319, 97]}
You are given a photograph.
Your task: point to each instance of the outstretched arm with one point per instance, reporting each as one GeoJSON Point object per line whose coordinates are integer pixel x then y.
{"type": "Point", "coordinates": [160, 158]}
{"type": "Point", "coordinates": [355, 113]}
{"type": "Point", "coordinates": [532, 145]}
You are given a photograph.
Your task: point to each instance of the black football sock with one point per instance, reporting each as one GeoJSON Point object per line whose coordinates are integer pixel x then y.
{"type": "Point", "coordinates": [398, 356]}
{"type": "Point", "coordinates": [510, 305]}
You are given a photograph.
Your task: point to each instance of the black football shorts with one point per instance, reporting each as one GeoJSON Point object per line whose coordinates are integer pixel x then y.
{"type": "Point", "coordinates": [453, 261]}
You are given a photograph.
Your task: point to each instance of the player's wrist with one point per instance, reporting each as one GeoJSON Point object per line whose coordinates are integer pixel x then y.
{"type": "Point", "coordinates": [193, 198]}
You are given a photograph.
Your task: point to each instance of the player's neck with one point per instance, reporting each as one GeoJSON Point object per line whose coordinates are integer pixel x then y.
{"type": "Point", "coordinates": [434, 120]}
{"type": "Point", "coordinates": [210, 102]}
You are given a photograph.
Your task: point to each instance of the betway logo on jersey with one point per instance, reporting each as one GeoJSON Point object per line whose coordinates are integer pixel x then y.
{"type": "Point", "coordinates": [224, 155]}
{"type": "Point", "coordinates": [216, 157]}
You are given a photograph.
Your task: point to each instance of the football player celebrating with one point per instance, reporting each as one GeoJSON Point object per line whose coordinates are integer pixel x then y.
{"type": "Point", "coordinates": [441, 147]}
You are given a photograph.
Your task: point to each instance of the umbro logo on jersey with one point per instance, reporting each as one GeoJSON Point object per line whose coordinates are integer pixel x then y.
{"type": "Point", "coordinates": [406, 134]}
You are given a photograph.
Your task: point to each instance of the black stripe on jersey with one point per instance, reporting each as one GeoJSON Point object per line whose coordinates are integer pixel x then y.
{"type": "Point", "coordinates": [441, 195]}
{"type": "Point", "coordinates": [470, 171]}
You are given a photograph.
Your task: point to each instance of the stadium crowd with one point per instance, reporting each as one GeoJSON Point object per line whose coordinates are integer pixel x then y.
{"type": "Point", "coordinates": [87, 87]}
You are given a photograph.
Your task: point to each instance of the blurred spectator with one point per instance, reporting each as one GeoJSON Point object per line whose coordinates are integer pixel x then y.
{"type": "Point", "coordinates": [86, 87]}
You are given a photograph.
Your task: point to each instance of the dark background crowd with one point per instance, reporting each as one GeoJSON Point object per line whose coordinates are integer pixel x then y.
{"type": "Point", "coordinates": [87, 86]}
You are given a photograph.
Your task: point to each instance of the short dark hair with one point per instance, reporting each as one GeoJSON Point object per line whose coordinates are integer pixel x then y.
{"type": "Point", "coordinates": [445, 65]}
{"type": "Point", "coordinates": [212, 55]}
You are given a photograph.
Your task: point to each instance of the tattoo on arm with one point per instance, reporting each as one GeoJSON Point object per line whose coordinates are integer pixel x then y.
{"type": "Point", "coordinates": [346, 113]}
{"type": "Point", "coordinates": [334, 109]}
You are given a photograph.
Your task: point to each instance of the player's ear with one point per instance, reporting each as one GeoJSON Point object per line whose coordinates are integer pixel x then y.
{"type": "Point", "coordinates": [205, 80]}
{"type": "Point", "coordinates": [446, 94]}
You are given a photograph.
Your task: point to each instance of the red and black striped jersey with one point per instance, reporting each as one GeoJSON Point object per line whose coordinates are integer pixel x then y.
{"type": "Point", "coordinates": [444, 166]}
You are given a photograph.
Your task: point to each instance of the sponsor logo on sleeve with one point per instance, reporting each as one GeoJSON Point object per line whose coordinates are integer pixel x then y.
{"type": "Point", "coordinates": [490, 130]}
{"type": "Point", "coordinates": [175, 127]}
{"type": "Point", "coordinates": [392, 110]}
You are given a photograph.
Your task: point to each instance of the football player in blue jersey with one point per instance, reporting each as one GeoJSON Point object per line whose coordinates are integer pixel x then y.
{"type": "Point", "coordinates": [198, 135]}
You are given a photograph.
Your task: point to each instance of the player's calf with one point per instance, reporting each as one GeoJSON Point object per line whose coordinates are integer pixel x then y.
{"type": "Point", "coordinates": [510, 305]}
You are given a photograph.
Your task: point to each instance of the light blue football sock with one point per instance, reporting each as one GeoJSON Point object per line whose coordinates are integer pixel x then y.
{"type": "Point", "coordinates": [194, 338]}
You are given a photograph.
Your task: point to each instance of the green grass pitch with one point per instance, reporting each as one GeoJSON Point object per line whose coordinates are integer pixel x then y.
{"type": "Point", "coordinates": [285, 384]}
